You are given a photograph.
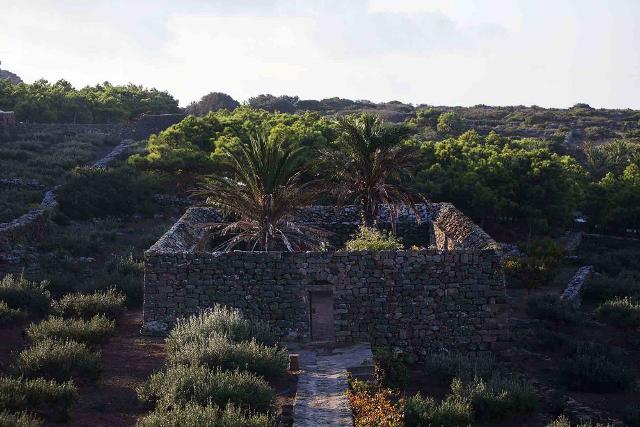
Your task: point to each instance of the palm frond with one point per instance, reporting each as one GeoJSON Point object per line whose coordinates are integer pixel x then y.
{"type": "Point", "coordinates": [263, 194]}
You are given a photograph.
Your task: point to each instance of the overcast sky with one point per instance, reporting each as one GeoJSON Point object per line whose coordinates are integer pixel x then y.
{"type": "Point", "coordinates": [443, 52]}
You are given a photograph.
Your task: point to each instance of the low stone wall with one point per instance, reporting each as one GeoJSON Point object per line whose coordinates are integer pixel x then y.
{"type": "Point", "coordinates": [31, 226]}
{"type": "Point", "coordinates": [572, 292]}
{"type": "Point", "coordinates": [416, 301]}
{"type": "Point", "coordinates": [115, 130]}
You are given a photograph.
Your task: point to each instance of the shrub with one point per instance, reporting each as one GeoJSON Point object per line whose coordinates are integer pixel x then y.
{"type": "Point", "coordinates": [594, 368]}
{"type": "Point", "coordinates": [548, 250]}
{"type": "Point", "coordinates": [373, 406]}
{"type": "Point", "coordinates": [98, 193]}
{"type": "Point", "coordinates": [58, 360]}
{"type": "Point", "coordinates": [192, 415]}
{"type": "Point", "coordinates": [390, 369]}
{"type": "Point", "coordinates": [125, 274]}
{"type": "Point", "coordinates": [528, 272]}
{"type": "Point", "coordinates": [603, 288]}
{"type": "Point", "coordinates": [372, 239]}
{"type": "Point", "coordinates": [92, 332]}
{"type": "Point", "coordinates": [453, 411]}
{"type": "Point", "coordinates": [620, 312]}
{"type": "Point", "coordinates": [550, 340]}
{"type": "Point", "coordinates": [217, 351]}
{"type": "Point", "coordinates": [18, 394]}
{"type": "Point", "coordinates": [108, 303]}
{"type": "Point", "coordinates": [631, 415]}
{"type": "Point", "coordinates": [219, 320]}
{"type": "Point", "coordinates": [553, 309]}
{"type": "Point", "coordinates": [446, 366]}
{"type": "Point", "coordinates": [182, 384]}
{"type": "Point", "coordinates": [500, 398]}
{"type": "Point", "coordinates": [20, 293]}
{"type": "Point", "coordinates": [9, 315]}
{"type": "Point", "coordinates": [21, 419]}
{"type": "Point", "coordinates": [561, 421]}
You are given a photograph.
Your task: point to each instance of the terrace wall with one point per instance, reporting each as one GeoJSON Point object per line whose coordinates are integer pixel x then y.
{"type": "Point", "coordinates": [416, 301]}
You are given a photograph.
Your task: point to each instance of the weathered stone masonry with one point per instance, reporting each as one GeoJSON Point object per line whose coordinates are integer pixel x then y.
{"type": "Point", "coordinates": [415, 300]}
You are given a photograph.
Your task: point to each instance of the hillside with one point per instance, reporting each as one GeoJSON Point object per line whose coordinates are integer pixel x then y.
{"type": "Point", "coordinates": [12, 77]}
{"type": "Point", "coordinates": [575, 125]}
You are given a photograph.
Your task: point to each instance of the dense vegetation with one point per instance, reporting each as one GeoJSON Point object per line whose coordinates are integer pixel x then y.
{"type": "Point", "coordinates": [60, 102]}
{"type": "Point", "coordinates": [218, 362]}
{"type": "Point", "coordinates": [522, 177]}
{"type": "Point", "coordinates": [532, 186]}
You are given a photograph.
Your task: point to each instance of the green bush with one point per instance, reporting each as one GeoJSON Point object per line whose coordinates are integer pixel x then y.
{"type": "Point", "coordinates": [98, 193]}
{"type": "Point", "coordinates": [620, 312]}
{"type": "Point", "coordinates": [553, 309]}
{"type": "Point", "coordinates": [9, 315]}
{"type": "Point", "coordinates": [424, 411]}
{"type": "Point", "coordinates": [390, 369]}
{"type": "Point", "coordinates": [595, 368]}
{"type": "Point", "coordinates": [20, 293]}
{"type": "Point", "coordinates": [108, 303]}
{"type": "Point", "coordinates": [59, 360]}
{"type": "Point", "coordinates": [545, 249]}
{"type": "Point", "coordinates": [95, 331]}
{"type": "Point", "coordinates": [182, 384]}
{"type": "Point", "coordinates": [528, 272]}
{"type": "Point", "coordinates": [125, 274]}
{"type": "Point", "coordinates": [18, 394]}
{"type": "Point", "coordinates": [476, 401]}
{"type": "Point", "coordinates": [603, 288]}
{"type": "Point", "coordinates": [22, 419]}
{"type": "Point", "coordinates": [372, 239]}
{"type": "Point", "coordinates": [217, 351]}
{"type": "Point", "coordinates": [631, 415]}
{"type": "Point", "coordinates": [550, 340]}
{"type": "Point", "coordinates": [192, 415]}
{"type": "Point", "coordinates": [446, 366]}
{"type": "Point", "coordinates": [500, 398]}
{"type": "Point", "coordinates": [219, 320]}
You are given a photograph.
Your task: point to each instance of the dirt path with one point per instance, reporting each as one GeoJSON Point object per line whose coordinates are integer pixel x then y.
{"type": "Point", "coordinates": [127, 360]}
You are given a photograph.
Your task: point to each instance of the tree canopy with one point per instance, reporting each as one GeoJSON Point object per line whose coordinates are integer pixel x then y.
{"type": "Point", "coordinates": [198, 144]}
{"type": "Point", "coordinates": [60, 102]}
{"type": "Point", "coordinates": [492, 176]}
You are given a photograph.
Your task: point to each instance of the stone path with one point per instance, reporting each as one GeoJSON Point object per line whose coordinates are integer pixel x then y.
{"type": "Point", "coordinates": [321, 398]}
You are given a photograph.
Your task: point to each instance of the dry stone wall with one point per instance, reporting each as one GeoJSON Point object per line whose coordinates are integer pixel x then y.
{"type": "Point", "coordinates": [413, 300]}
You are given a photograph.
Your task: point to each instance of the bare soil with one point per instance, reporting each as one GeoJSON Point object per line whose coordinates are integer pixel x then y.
{"type": "Point", "coordinates": [127, 361]}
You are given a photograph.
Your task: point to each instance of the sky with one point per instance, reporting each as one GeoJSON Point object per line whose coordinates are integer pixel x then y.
{"type": "Point", "coordinates": [438, 52]}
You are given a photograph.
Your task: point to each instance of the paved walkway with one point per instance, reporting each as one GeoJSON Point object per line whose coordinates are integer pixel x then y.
{"type": "Point", "coordinates": [321, 398]}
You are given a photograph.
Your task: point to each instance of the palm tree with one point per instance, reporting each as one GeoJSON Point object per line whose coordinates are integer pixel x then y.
{"type": "Point", "coordinates": [262, 194]}
{"type": "Point", "coordinates": [368, 165]}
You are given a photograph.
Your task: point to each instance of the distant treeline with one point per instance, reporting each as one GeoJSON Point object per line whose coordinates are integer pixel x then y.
{"type": "Point", "coordinates": [60, 102]}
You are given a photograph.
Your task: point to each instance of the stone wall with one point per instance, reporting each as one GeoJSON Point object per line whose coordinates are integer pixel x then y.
{"type": "Point", "coordinates": [416, 301]}
{"type": "Point", "coordinates": [31, 226]}
{"type": "Point", "coordinates": [154, 123]}
{"type": "Point", "coordinates": [115, 130]}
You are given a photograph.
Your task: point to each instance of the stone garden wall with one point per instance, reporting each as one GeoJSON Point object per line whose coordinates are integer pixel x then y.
{"type": "Point", "coordinates": [414, 300]}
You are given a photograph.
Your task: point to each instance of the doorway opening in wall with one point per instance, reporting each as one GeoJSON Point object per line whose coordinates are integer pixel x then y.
{"type": "Point", "coordinates": [321, 312]}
